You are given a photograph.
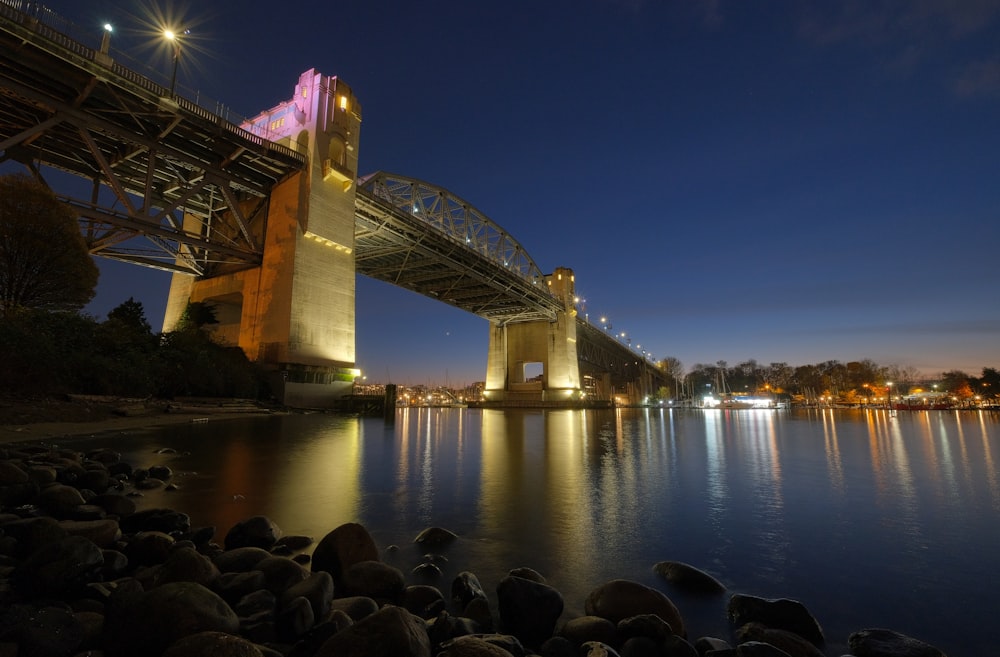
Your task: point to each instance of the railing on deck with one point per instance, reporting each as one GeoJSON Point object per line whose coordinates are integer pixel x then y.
{"type": "Point", "coordinates": [68, 36]}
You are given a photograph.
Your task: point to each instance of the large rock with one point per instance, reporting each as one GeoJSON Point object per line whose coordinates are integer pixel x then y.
{"type": "Point", "coordinates": [156, 520]}
{"type": "Point", "coordinates": [582, 629]}
{"type": "Point", "coordinates": [185, 564]}
{"type": "Point", "coordinates": [435, 537]}
{"type": "Point", "coordinates": [374, 579]}
{"type": "Point", "coordinates": [213, 644]}
{"type": "Point", "coordinates": [62, 568]}
{"type": "Point", "coordinates": [790, 642]}
{"type": "Point", "coordinates": [688, 578]}
{"type": "Point", "coordinates": [528, 609]}
{"type": "Point", "coordinates": [317, 588]}
{"type": "Point", "coordinates": [781, 614]}
{"type": "Point", "coordinates": [149, 623]}
{"type": "Point", "coordinates": [59, 499]}
{"type": "Point", "coordinates": [389, 631]}
{"type": "Point", "coordinates": [343, 547]}
{"type": "Point", "coordinates": [280, 573]}
{"type": "Point", "coordinates": [465, 588]}
{"type": "Point", "coordinates": [258, 531]}
{"type": "Point", "coordinates": [622, 598]}
{"type": "Point", "coordinates": [878, 642]}
{"type": "Point", "coordinates": [104, 533]}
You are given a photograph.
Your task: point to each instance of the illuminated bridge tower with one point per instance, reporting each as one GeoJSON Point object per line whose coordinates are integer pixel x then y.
{"type": "Point", "coordinates": [516, 346]}
{"type": "Point", "coordinates": [295, 312]}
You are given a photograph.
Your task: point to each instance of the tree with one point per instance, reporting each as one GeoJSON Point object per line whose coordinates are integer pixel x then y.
{"type": "Point", "coordinates": [44, 262]}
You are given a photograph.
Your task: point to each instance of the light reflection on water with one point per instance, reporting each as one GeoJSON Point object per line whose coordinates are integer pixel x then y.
{"type": "Point", "coordinates": [871, 519]}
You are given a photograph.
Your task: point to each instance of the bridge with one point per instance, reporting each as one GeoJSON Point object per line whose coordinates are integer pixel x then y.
{"type": "Point", "coordinates": [266, 219]}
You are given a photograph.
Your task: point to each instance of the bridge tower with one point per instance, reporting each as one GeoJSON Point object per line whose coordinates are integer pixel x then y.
{"type": "Point", "coordinates": [515, 346]}
{"type": "Point", "coordinates": [295, 312]}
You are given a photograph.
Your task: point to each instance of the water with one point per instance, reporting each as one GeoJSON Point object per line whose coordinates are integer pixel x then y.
{"type": "Point", "coordinates": [871, 519]}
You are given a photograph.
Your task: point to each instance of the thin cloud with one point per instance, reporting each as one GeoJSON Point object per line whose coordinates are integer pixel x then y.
{"type": "Point", "coordinates": [979, 79]}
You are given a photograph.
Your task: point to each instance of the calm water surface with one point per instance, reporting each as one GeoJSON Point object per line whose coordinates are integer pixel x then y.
{"type": "Point", "coordinates": [871, 519]}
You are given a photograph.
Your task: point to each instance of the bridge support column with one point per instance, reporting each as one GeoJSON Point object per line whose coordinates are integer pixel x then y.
{"type": "Point", "coordinates": [294, 314]}
{"type": "Point", "coordinates": [516, 346]}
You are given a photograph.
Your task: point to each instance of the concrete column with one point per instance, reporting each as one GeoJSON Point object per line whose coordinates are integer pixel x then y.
{"type": "Point", "coordinates": [295, 313]}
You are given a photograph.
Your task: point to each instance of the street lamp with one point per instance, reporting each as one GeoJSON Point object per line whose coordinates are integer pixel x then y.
{"type": "Point", "coordinates": [106, 38]}
{"type": "Point", "coordinates": [173, 37]}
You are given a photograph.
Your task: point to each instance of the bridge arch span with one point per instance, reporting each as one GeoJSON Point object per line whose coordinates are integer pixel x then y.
{"type": "Point", "coordinates": [454, 217]}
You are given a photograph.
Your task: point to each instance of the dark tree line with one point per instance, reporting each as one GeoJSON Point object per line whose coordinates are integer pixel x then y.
{"type": "Point", "coordinates": [46, 353]}
{"type": "Point", "coordinates": [855, 381]}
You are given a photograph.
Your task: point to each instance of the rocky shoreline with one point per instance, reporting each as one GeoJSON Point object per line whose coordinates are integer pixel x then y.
{"type": "Point", "coordinates": [84, 573]}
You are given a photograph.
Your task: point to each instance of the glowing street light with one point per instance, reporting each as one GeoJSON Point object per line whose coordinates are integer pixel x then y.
{"type": "Point", "coordinates": [174, 38]}
{"type": "Point", "coordinates": [106, 38]}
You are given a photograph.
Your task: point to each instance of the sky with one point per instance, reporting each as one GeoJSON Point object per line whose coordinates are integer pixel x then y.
{"type": "Point", "coordinates": [788, 181]}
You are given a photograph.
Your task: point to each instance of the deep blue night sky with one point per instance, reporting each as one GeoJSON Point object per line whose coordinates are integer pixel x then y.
{"type": "Point", "coordinates": [783, 181]}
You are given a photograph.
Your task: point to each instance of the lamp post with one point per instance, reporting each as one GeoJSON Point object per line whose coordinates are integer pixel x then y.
{"type": "Point", "coordinates": [106, 38]}
{"type": "Point", "coordinates": [172, 36]}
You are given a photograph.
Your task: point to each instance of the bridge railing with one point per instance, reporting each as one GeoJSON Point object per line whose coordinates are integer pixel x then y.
{"type": "Point", "coordinates": [57, 30]}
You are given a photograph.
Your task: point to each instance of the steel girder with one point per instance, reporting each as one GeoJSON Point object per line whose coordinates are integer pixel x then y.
{"type": "Point", "coordinates": [191, 184]}
{"type": "Point", "coordinates": [600, 352]}
{"type": "Point", "coordinates": [464, 260]}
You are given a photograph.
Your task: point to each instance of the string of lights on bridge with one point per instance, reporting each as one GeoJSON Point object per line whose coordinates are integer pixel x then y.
{"type": "Point", "coordinates": [605, 325]}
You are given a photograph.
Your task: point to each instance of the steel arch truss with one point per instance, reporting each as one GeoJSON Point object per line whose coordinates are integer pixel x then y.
{"type": "Point", "coordinates": [191, 185]}
{"type": "Point", "coordinates": [465, 259]}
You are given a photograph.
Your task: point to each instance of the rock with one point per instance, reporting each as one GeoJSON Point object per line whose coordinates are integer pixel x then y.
{"type": "Point", "coordinates": [212, 644]}
{"type": "Point", "coordinates": [650, 626]}
{"type": "Point", "coordinates": [260, 602]}
{"type": "Point", "coordinates": [597, 649]}
{"type": "Point", "coordinates": [557, 646]}
{"type": "Point", "coordinates": [706, 643]}
{"type": "Point", "coordinates": [317, 588]}
{"type": "Point", "coordinates": [233, 586]}
{"type": "Point", "coordinates": [33, 533]}
{"type": "Point", "coordinates": [104, 533]}
{"type": "Point", "coordinates": [240, 560]}
{"type": "Point", "coordinates": [114, 504]}
{"type": "Point", "coordinates": [640, 646]}
{"type": "Point", "coordinates": [471, 646]}
{"type": "Point", "coordinates": [465, 588]}
{"type": "Point", "coordinates": [782, 614]}
{"type": "Point", "coordinates": [161, 472]}
{"type": "Point", "coordinates": [280, 573]}
{"type": "Point", "coordinates": [257, 531]}
{"type": "Point", "coordinates": [59, 499]}
{"type": "Point", "coordinates": [160, 520]}
{"type": "Point", "coordinates": [581, 629]}
{"type": "Point", "coordinates": [528, 573]}
{"type": "Point", "coordinates": [185, 564]}
{"type": "Point", "coordinates": [295, 543]}
{"type": "Point", "coordinates": [11, 474]}
{"type": "Point", "coordinates": [790, 642]}
{"type": "Point", "coordinates": [423, 600]}
{"type": "Point", "coordinates": [48, 631]}
{"type": "Point", "coordinates": [294, 619]}
{"type": "Point", "coordinates": [374, 579]}
{"type": "Point", "coordinates": [878, 642]}
{"type": "Point", "coordinates": [149, 548]}
{"type": "Point", "coordinates": [528, 610]}
{"type": "Point", "coordinates": [343, 547]}
{"type": "Point", "coordinates": [759, 649]}
{"type": "Point", "coordinates": [621, 598]}
{"type": "Point", "coordinates": [149, 623]}
{"type": "Point", "coordinates": [389, 631]}
{"type": "Point", "coordinates": [688, 578]}
{"type": "Point", "coordinates": [435, 537]}
{"type": "Point", "coordinates": [62, 568]}
{"type": "Point", "coordinates": [356, 607]}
